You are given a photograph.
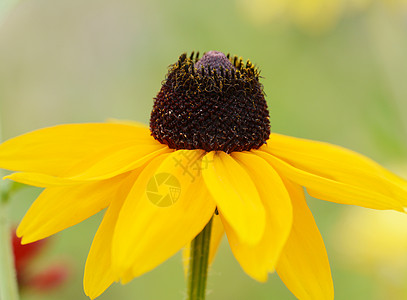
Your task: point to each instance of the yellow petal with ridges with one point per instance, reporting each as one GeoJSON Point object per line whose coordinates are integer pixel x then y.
{"type": "Point", "coordinates": [167, 207]}
{"type": "Point", "coordinates": [41, 180]}
{"type": "Point", "coordinates": [112, 162]}
{"type": "Point", "coordinates": [260, 259]}
{"type": "Point", "coordinates": [337, 163]}
{"type": "Point", "coordinates": [98, 269]}
{"type": "Point", "coordinates": [58, 208]}
{"type": "Point", "coordinates": [255, 267]}
{"type": "Point", "coordinates": [235, 195]}
{"type": "Point", "coordinates": [56, 149]}
{"type": "Point", "coordinates": [98, 167]}
{"type": "Point", "coordinates": [332, 190]}
{"type": "Point", "coordinates": [303, 265]}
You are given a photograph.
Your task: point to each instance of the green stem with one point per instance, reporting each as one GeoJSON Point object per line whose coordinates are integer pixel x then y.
{"type": "Point", "coordinates": [198, 265]}
{"type": "Point", "coordinates": [8, 278]}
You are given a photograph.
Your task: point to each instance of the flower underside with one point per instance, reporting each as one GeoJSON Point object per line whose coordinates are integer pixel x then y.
{"type": "Point", "coordinates": [212, 103]}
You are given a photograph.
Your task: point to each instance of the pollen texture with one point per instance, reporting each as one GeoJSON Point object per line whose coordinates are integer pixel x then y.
{"type": "Point", "coordinates": [212, 103]}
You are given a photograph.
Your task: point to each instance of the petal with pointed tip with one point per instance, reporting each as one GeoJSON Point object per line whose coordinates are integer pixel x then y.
{"type": "Point", "coordinates": [260, 259]}
{"type": "Point", "coordinates": [54, 150]}
{"type": "Point", "coordinates": [338, 164]}
{"type": "Point", "coordinates": [303, 265]}
{"type": "Point", "coordinates": [98, 269]}
{"type": "Point", "coordinates": [235, 195]}
{"type": "Point", "coordinates": [148, 232]}
{"type": "Point", "coordinates": [58, 208]}
{"type": "Point", "coordinates": [332, 190]}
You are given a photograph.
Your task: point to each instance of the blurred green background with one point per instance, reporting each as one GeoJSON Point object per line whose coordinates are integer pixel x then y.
{"type": "Point", "coordinates": [335, 73]}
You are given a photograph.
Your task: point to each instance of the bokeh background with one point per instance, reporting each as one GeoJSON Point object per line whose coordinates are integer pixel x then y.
{"type": "Point", "coordinates": [333, 70]}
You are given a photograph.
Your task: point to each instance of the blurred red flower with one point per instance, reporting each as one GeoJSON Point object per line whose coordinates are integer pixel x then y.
{"type": "Point", "coordinates": [47, 279]}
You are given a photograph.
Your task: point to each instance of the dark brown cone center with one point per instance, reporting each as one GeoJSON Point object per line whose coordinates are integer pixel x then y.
{"type": "Point", "coordinates": [212, 103]}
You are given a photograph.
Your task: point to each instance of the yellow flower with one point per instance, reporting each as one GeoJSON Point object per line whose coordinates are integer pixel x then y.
{"type": "Point", "coordinates": [208, 149]}
{"type": "Point", "coordinates": [313, 16]}
{"type": "Point", "coordinates": [374, 243]}
{"type": "Point", "coordinates": [372, 240]}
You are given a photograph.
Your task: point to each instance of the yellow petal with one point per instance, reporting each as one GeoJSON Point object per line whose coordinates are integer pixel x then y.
{"type": "Point", "coordinates": [167, 207]}
{"type": "Point", "coordinates": [337, 163]}
{"type": "Point", "coordinates": [108, 164]}
{"type": "Point", "coordinates": [186, 258]}
{"type": "Point", "coordinates": [41, 180]}
{"type": "Point", "coordinates": [58, 208]}
{"type": "Point", "coordinates": [217, 233]}
{"type": "Point", "coordinates": [126, 122]}
{"type": "Point", "coordinates": [216, 237]}
{"type": "Point", "coordinates": [98, 269]}
{"type": "Point", "coordinates": [236, 196]}
{"type": "Point", "coordinates": [112, 162]}
{"type": "Point", "coordinates": [54, 150]}
{"type": "Point", "coordinates": [303, 265]}
{"type": "Point", "coordinates": [257, 260]}
{"type": "Point", "coordinates": [333, 190]}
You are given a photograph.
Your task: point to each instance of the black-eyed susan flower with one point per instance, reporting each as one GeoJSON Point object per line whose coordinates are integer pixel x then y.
{"type": "Point", "coordinates": [208, 155]}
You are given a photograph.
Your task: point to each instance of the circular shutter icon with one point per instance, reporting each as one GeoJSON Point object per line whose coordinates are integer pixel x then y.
{"type": "Point", "coordinates": [163, 189]}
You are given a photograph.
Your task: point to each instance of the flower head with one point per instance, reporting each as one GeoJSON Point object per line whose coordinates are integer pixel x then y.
{"type": "Point", "coordinates": [214, 104]}
{"type": "Point", "coordinates": [209, 148]}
